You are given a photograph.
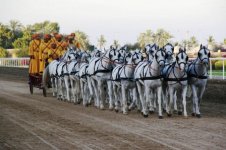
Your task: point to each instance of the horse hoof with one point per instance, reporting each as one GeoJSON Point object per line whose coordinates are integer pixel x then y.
{"type": "Point", "coordinates": [102, 107]}
{"type": "Point", "coordinates": [111, 108]}
{"type": "Point", "coordinates": [86, 105]}
{"type": "Point", "coordinates": [125, 113]}
{"type": "Point", "coordinates": [160, 117]}
{"type": "Point", "coordinates": [163, 110]}
{"type": "Point", "coordinates": [116, 110]}
{"type": "Point", "coordinates": [169, 115]}
{"type": "Point", "coordinates": [145, 115]}
{"type": "Point", "coordinates": [193, 114]}
{"type": "Point", "coordinates": [198, 115]}
{"type": "Point", "coordinates": [179, 113]}
{"type": "Point", "coordinates": [151, 112]}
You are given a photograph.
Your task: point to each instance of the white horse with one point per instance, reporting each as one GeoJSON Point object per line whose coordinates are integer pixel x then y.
{"type": "Point", "coordinates": [99, 71]}
{"type": "Point", "coordinates": [50, 72]}
{"type": "Point", "coordinates": [198, 74]}
{"type": "Point", "coordinates": [149, 82]}
{"type": "Point", "coordinates": [123, 78]}
{"type": "Point", "coordinates": [175, 76]}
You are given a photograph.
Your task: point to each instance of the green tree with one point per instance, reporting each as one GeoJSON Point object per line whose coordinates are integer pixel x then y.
{"type": "Point", "coordinates": [82, 38]}
{"type": "Point", "coordinates": [101, 41]}
{"type": "Point", "coordinates": [145, 38]}
{"type": "Point", "coordinates": [3, 52]}
{"type": "Point", "coordinates": [16, 29]}
{"type": "Point", "coordinates": [211, 43]}
{"type": "Point", "coordinates": [162, 37]}
{"type": "Point", "coordinates": [193, 42]}
{"type": "Point", "coordinates": [46, 27]}
{"type": "Point", "coordinates": [5, 36]}
{"type": "Point", "coordinates": [133, 46]}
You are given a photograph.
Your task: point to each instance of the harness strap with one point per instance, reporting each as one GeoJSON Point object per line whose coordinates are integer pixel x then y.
{"type": "Point", "coordinates": [198, 76]}
{"type": "Point", "coordinates": [176, 79]}
{"type": "Point", "coordinates": [150, 78]}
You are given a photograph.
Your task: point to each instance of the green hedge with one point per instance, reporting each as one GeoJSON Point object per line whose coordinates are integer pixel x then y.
{"type": "Point", "coordinates": [219, 64]}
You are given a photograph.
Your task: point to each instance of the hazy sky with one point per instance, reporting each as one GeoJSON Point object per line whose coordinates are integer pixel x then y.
{"type": "Point", "coordinates": [123, 20]}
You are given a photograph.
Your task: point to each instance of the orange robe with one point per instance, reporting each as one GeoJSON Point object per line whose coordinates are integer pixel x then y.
{"type": "Point", "coordinates": [34, 55]}
{"type": "Point", "coordinates": [44, 46]}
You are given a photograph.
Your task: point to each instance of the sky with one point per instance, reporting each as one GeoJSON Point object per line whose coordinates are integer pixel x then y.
{"type": "Point", "coordinates": [123, 20]}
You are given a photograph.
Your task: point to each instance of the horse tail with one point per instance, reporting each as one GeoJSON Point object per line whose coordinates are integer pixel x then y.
{"type": "Point", "coordinates": [45, 77]}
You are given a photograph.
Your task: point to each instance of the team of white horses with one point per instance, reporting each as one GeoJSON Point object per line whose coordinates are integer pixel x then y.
{"type": "Point", "coordinates": [124, 80]}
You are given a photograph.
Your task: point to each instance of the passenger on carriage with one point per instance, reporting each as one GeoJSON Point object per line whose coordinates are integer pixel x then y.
{"type": "Point", "coordinates": [52, 53]}
{"type": "Point", "coordinates": [45, 46]}
{"type": "Point", "coordinates": [76, 43]}
{"type": "Point", "coordinates": [34, 54]}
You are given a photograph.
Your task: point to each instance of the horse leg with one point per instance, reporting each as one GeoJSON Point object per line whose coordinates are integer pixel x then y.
{"type": "Point", "coordinates": [184, 92]}
{"type": "Point", "coordinates": [89, 82]}
{"type": "Point", "coordinates": [110, 93]}
{"type": "Point", "coordinates": [179, 101]}
{"type": "Point", "coordinates": [134, 100]}
{"type": "Point", "coordinates": [124, 99]}
{"type": "Point", "coordinates": [53, 86]}
{"type": "Point", "coordinates": [116, 98]}
{"type": "Point", "coordinates": [66, 79]}
{"type": "Point", "coordinates": [171, 94]}
{"type": "Point", "coordinates": [142, 99]}
{"type": "Point", "coordinates": [202, 90]}
{"type": "Point", "coordinates": [195, 100]}
{"type": "Point", "coordinates": [159, 93]}
{"type": "Point", "coordinates": [102, 93]}
{"type": "Point", "coordinates": [175, 101]}
{"type": "Point", "coordinates": [151, 97]}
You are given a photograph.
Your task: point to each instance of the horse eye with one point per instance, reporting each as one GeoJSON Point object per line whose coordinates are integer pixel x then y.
{"type": "Point", "coordinates": [208, 54]}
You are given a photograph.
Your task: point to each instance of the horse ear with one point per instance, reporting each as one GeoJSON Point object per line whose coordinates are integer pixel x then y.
{"type": "Point", "coordinates": [185, 50]}
{"type": "Point", "coordinates": [180, 50]}
{"type": "Point", "coordinates": [201, 46]}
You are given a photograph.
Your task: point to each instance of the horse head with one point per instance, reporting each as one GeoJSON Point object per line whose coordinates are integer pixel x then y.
{"type": "Point", "coordinates": [204, 55]}
{"type": "Point", "coordinates": [169, 50]}
{"type": "Point", "coordinates": [182, 59]}
{"type": "Point", "coordinates": [160, 57]}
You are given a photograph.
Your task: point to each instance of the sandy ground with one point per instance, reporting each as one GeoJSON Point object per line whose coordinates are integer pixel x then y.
{"type": "Point", "coordinates": [34, 122]}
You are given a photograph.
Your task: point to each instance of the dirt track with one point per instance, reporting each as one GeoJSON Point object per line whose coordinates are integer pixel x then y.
{"type": "Point", "coordinates": [34, 122]}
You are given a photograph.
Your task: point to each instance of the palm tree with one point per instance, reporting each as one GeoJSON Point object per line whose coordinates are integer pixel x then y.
{"type": "Point", "coordinates": [101, 41]}
{"type": "Point", "coordinates": [116, 43]}
{"type": "Point", "coordinates": [211, 42]}
{"type": "Point", "coordinates": [82, 39]}
{"type": "Point", "coordinates": [15, 25]}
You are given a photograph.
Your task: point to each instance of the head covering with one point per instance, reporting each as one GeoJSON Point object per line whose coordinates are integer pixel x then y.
{"type": "Point", "coordinates": [58, 36]}
{"type": "Point", "coordinates": [70, 37]}
{"type": "Point", "coordinates": [47, 36]}
{"type": "Point", "coordinates": [73, 34]}
{"type": "Point", "coordinates": [53, 45]}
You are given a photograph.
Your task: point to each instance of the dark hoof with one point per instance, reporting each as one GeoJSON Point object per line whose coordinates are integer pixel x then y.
{"type": "Point", "coordinates": [193, 114]}
{"type": "Point", "coordinates": [180, 113]}
{"type": "Point", "coordinates": [78, 102]}
{"type": "Point", "coordinates": [116, 110]}
{"type": "Point", "coordinates": [129, 109]}
{"type": "Point", "coordinates": [169, 115]}
{"type": "Point", "coordinates": [151, 112]}
{"type": "Point", "coordinates": [160, 117]}
{"type": "Point", "coordinates": [86, 105]}
{"type": "Point", "coordinates": [145, 116]}
{"type": "Point", "coordinates": [198, 115]}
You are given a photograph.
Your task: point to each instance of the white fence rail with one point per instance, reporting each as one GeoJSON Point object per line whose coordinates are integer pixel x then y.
{"type": "Point", "coordinates": [24, 63]}
{"type": "Point", "coordinates": [15, 62]}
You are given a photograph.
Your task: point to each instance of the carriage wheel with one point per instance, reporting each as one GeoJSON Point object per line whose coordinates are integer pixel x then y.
{"type": "Point", "coordinates": [44, 92]}
{"type": "Point", "coordinates": [31, 88]}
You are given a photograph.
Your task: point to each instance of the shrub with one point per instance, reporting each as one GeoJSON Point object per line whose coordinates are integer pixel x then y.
{"type": "Point", "coordinates": [219, 64]}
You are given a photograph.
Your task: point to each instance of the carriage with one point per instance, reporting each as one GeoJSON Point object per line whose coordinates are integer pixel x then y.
{"type": "Point", "coordinates": [36, 81]}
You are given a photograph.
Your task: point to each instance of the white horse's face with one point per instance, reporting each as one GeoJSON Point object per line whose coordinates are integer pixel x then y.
{"type": "Point", "coordinates": [85, 56]}
{"type": "Point", "coordinates": [72, 56]}
{"type": "Point", "coordinates": [160, 57]}
{"type": "Point", "coordinates": [112, 54]}
{"type": "Point", "coordinates": [122, 54]}
{"type": "Point", "coordinates": [136, 56]}
{"type": "Point", "coordinates": [204, 55]}
{"type": "Point", "coordinates": [169, 50]}
{"type": "Point", "coordinates": [182, 59]}
{"type": "Point", "coordinates": [152, 50]}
